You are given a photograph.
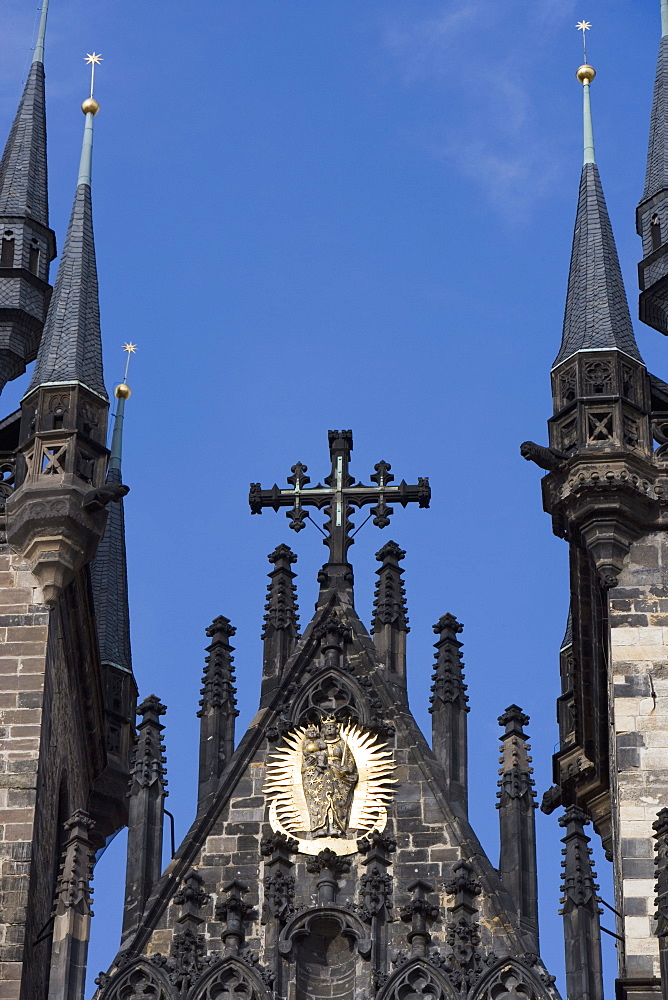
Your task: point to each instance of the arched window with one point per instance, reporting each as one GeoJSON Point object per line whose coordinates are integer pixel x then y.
{"type": "Point", "coordinates": [7, 249]}
{"type": "Point", "coordinates": [33, 257]}
{"type": "Point", "coordinates": [655, 229]}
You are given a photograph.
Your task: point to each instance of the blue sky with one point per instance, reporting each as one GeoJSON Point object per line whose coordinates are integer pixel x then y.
{"type": "Point", "coordinates": [355, 215]}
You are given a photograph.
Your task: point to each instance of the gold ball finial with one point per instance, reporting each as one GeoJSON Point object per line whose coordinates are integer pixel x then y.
{"type": "Point", "coordinates": [122, 391]}
{"type": "Point", "coordinates": [586, 73]}
{"type": "Point", "coordinates": [90, 106]}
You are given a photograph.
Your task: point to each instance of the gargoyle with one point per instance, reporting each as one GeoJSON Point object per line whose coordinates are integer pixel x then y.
{"type": "Point", "coordinates": [110, 493]}
{"type": "Point", "coordinates": [551, 799]}
{"type": "Point", "coordinates": [545, 458]}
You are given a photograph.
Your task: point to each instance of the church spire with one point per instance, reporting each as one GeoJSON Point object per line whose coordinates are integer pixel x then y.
{"type": "Point", "coordinates": [109, 579]}
{"type": "Point", "coordinates": [62, 441]}
{"type": "Point", "coordinates": [600, 386]}
{"type": "Point", "coordinates": [27, 245]}
{"type": "Point", "coordinates": [652, 212]}
{"type": "Point", "coordinates": [109, 568]}
{"type": "Point", "coordinates": [38, 56]}
{"type": "Point", "coordinates": [71, 347]}
{"type": "Point", "coordinates": [23, 174]}
{"type": "Point", "coordinates": [597, 315]}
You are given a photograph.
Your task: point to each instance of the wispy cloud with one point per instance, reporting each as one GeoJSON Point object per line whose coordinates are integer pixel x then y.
{"type": "Point", "coordinates": [494, 133]}
{"type": "Point", "coordinates": [423, 46]}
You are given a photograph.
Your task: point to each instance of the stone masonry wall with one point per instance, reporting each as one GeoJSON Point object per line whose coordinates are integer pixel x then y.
{"type": "Point", "coordinates": [638, 685]}
{"type": "Point", "coordinates": [45, 764]}
{"type": "Point", "coordinates": [424, 850]}
{"type": "Point", "coordinates": [23, 639]}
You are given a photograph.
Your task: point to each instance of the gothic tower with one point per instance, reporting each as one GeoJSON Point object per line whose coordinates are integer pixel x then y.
{"type": "Point", "coordinates": [67, 700]}
{"type": "Point", "coordinates": [606, 490]}
{"type": "Point", "coordinates": [27, 244]}
{"type": "Point", "coordinates": [331, 854]}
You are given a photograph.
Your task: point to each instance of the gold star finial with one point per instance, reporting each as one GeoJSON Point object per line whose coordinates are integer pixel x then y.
{"type": "Point", "coordinates": [584, 26]}
{"type": "Point", "coordinates": [93, 59]}
{"type": "Point", "coordinates": [129, 349]}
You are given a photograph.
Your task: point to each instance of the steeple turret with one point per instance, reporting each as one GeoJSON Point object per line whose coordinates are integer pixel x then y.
{"type": "Point", "coordinates": [652, 212]}
{"type": "Point", "coordinates": [109, 578]}
{"type": "Point", "coordinates": [597, 315]}
{"type": "Point", "coordinates": [109, 568]}
{"type": "Point", "coordinates": [600, 386]}
{"type": "Point", "coordinates": [27, 244]}
{"type": "Point", "coordinates": [64, 412]}
{"type": "Point", "coordinates": [605, 491]}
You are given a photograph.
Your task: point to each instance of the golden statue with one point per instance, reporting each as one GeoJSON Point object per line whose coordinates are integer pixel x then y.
{"type": "Point", "coordinates": [328, 784]}
{"type": "Point", "coordinates": [329, 776]}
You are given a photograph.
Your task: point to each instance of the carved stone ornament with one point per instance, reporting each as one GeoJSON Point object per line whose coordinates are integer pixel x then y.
{"type": "Point", "coordinates": [327, 785]}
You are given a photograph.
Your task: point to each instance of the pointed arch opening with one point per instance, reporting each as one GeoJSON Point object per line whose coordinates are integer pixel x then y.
{"type": "Point", "coordinates": [418, 981]}
{"type": "Point", "coordinates": [140, 982]}
{"type": "Point", "coordinates": [229, 980]}
{"type": "Point", "coordinates": [329, 694]}
{"type": "Point", "coordinates": [511, 980]}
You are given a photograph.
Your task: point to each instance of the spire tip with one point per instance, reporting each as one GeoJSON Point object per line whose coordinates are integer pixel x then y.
{"type": "Point", "coordinates": [585, 75]}
{"type": "Point", "coordinates": [38, 56]}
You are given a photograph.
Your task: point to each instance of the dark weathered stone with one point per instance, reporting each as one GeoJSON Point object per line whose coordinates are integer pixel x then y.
{"type": "Point", "coordinates": [217, 709]}
{"type": "Point", "coordinates": [582, 929]}
{"type": "Point", "coordinates": [517, 805]}
{"type": "Point", "coordinates": [449, 708]}
{"type": "Point", "coordinates": [146, 813]}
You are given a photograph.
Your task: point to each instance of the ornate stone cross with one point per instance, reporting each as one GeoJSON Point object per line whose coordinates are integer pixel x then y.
{"type": "Point", "coordinates": [339, 494]}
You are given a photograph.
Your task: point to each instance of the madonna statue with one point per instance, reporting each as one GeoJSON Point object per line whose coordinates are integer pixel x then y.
{"type": "Point", "coordinates": [329, 776]}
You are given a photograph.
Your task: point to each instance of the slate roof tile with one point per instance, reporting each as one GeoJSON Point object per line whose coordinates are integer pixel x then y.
{"type": "Point", "coordinates": [109, 577]}
{"type": "Point", "coordinates": [71, 346]}
{"type": "Point", "coordinates": [656, 176]}
{"type": "Point", "coordinates": [597, 313]}
{"type": "Point", "coordinates": [23, 174]}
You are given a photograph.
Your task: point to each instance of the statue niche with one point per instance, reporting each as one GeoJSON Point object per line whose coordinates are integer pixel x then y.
{"type": "Point", "coordinates": [329, 777]}
{"type": "Point", "coordinates": [325, 964]}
